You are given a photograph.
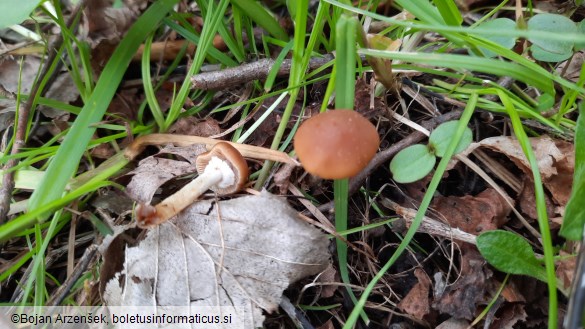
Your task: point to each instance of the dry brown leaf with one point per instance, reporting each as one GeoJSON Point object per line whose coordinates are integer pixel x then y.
{"type": "Point", "coordinates": [416, 302]}
{"type": "Point", "coordinates": [573, 71]}
{"type": "Point", "coordinates": [473, 214]}
{"type": "Point", "coordinates": [183, 262]}
{"type": "Point", "coordinates": [511, 293]}
{"type": "Point", "coordinates": [565, 269]}
{"type": "Point", "coordinates": [104, 22]}
{"type": "Point", "coordinates": [327, 325]}
{"type": "Point", "coordinates": [282, 177]}
{"type": "Point", "coordinates": [192, 126]}
{"type": "Point", "coordinates": [511, 314]}
{"type": "Point", "coordinates": [104, 26]}
{"type": "Point", "coordinates": [328, 275]}
{"type": "Point", "coordinates": [527, 201]}
{"type": "Point", "coordinates": [461, 299]}
{"type": "Point", "coordinates": [555, 159]}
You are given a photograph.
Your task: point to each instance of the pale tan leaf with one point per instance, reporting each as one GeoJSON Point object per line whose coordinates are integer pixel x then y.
{"type": "Point", "coordinates": [183, 262]}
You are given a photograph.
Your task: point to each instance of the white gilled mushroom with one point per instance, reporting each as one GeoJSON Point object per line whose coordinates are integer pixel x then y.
{"type": "Point", "coordinates": [222, 169]}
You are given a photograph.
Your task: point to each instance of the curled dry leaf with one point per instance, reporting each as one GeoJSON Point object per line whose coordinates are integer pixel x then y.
{"type": "Point", "coordinates": [473, 289]}
{"type": "Point", "coordinates": [565, 269]}
{"type": "Point", "coordinates": [555, 159]}
{"type": "Point", "coordinates": [510, 316]}
{"type": "Point", "coordinates": [416, 302]}
{"type": "Point", "coordinates": [245, 259]}
{"type": "Point", "coordinates": [104, 22]}
{"type": "Point", "coordinates": [474, 214]}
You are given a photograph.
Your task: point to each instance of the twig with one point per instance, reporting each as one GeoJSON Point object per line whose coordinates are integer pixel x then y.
{"type": "Point", "coordinates": [81, 266]}
{"type": "Point", "coordinates": [239, 75]}
{"type": "Point", "coordinates": [23, 118]}
{"type": "Point", "coordinates": [429, 225]}
{"type": "Point", "coordinates": [52, 256]}
{"type": "Point", "coordinates": [298, 317]}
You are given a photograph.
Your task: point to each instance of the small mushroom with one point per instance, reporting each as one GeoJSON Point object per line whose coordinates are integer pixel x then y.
{"type": "Point", "coordinates": [336, 144]}
{"type": "Point", "coordinates": [222, 169]}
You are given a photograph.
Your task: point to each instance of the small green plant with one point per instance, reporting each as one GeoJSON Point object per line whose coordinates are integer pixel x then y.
{"type": "Point", "coordinates": [510, 253]}
{"type": "Point", "coordinates": [542, 49]}
{"type": "Point", "coordinates": [574, 218]}
{"type": "Point", "coordinates": [14, 13]}
{"type": "Point", "coordinates": [416, 161]}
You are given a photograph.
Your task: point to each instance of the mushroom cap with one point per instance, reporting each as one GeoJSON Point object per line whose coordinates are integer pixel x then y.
{"type": "Point", "coordinates": [226, 152]}
{"type": "Point", "coordinates": [336, 144]}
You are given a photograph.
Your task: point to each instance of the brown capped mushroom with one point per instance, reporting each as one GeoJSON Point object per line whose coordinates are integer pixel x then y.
{"type": "Point", "coordinates": [222, 169]}
{"type": "Point", "coordinates": [336, 144]}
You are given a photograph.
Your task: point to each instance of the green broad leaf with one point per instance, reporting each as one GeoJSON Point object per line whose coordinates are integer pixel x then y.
{"type": "Point", "coordinates": [552, 23]}
{"type": "Point", "coordinates": [581, 28]}
{"type": "Point", "coordinates": [510, 253]}
{"type": "Point", "coordinates": [574, 219]}
{"type": "Point", "coordinates": [540, 54]}
{"type": "Point", "coordinates": [441, 137]}
{"type": "Point", "coordinates": [14, 12]}
{"type": "Point", "coordinates": [412, 163]}
{"type": "Point", "coordinates": [504, 41]}
{"type": "Point", "coordinates": [545, 102]}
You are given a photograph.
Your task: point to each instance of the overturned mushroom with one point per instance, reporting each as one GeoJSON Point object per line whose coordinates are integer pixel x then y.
{"type": "Point", "coordinates": [222, 169]}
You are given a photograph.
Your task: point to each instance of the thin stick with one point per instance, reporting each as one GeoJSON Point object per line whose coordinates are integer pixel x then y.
{"type": "Point", "coordinates": [23, 118]}
{"type": "Point", "coordinates": [429, 225]}
{"type": "Point", "coordinates": [239, 75]}
{"type": "Point", "coordinates": [81, 266]}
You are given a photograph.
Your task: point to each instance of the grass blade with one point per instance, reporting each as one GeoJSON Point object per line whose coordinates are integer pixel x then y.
{"type": "Point", "coordinates": [469, 109]}
{"type": "Point", "coordinates": [65, 162]}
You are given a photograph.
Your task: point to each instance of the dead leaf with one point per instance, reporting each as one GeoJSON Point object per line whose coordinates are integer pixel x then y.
{"type": "Point", "coordinates": [473, 287]}
{"type": "Point", "coordinates": [565, 269]}
{"type": "Point", "coordinates": [511, 314]}
{"type": "Point", "coordinates": [113, 201]}
{"type": "Point", "coordinates": [573, 71]}
{"type": "Point", "coordinates": [152, 172]}
{"type": "Point", "coordinates": [184, 262]}
{"type": "Point", "coordinates": [527, 201]}
{"type": "Point", "coordinates": [454, 323]}
{"type": "Point", "coordinates": [192, 126]}
{"type": "Point", "coordinates": [282, 177]}
{"type": "Point", "coordinates": [511, 293]}
{"type": "Point", "coordinates": [327, 276]}
{"type": "Point", "coordinates": [416, 302]}
{"type": "Point", "coordinates": [555, 160]}
{"type": "Point", "coordinates": [104, 26]}
{"type": "Point", "coordinates": [104, 22]}
{"type": "Point", "coordinates": [473, 214]}
{"type": "Point", "coordinates": [327, 325]}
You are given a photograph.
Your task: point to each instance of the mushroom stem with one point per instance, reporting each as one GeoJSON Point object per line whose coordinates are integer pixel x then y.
{"type": "Point", "coordinates": [216, 173]}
